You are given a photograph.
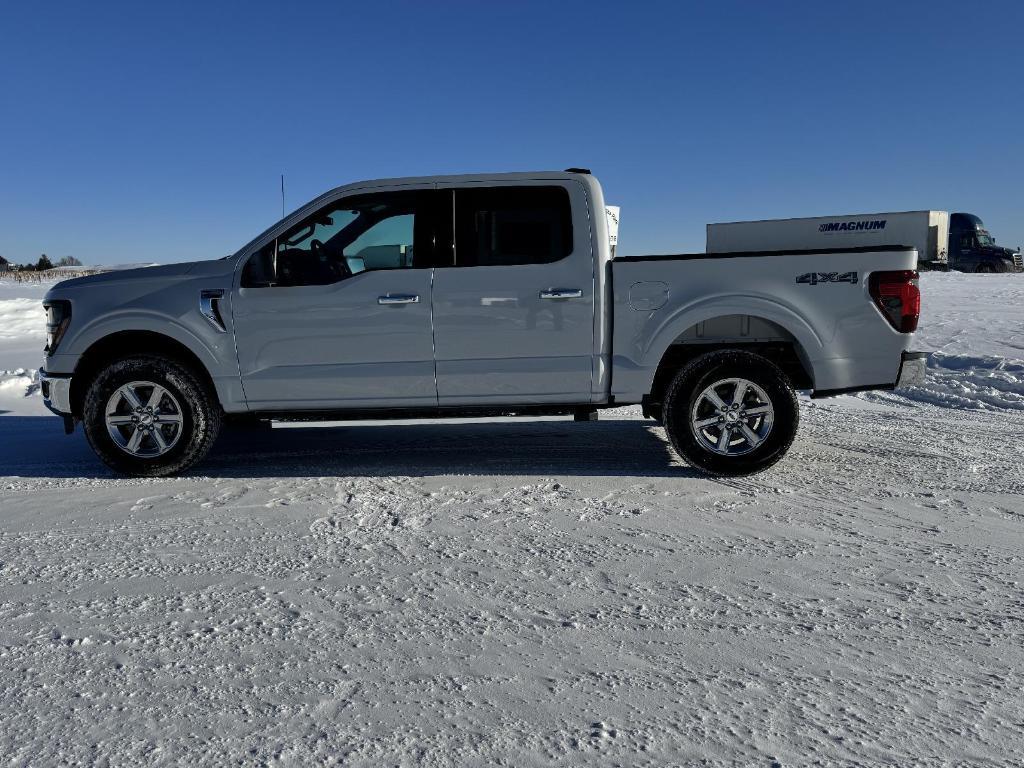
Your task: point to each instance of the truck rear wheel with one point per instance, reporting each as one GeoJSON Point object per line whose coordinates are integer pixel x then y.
{"type": "Point", "coordinates": [150, 417]}
{"type": "Point", "coordinates": [731, 413]}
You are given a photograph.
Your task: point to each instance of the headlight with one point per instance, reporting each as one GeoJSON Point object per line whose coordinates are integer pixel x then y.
{"type": "Point", "coordinates": [58, 316]}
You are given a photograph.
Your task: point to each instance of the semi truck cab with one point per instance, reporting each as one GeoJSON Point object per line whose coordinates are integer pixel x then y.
{"type": "Point", "coordinates": [973, 249]}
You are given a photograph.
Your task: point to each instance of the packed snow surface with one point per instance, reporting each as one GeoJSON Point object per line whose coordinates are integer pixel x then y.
{"type": "Point", "coordinates": [520, 593]}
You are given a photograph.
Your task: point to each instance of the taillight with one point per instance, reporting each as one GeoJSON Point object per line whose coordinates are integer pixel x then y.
{"type": "Point", "coordinates": [898, 297]}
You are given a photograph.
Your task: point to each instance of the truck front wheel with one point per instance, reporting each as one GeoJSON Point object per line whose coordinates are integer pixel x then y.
{"type": "Point", "coordinates": [148, 416]}
{"type": "Point", "coordinates": [731, 413]}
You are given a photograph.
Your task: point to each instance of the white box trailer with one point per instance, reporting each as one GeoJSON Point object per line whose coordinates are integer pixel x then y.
{"type": "Point", "coordinates": [927, 231]}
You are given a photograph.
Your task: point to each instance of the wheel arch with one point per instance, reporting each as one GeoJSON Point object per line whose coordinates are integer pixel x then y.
{"type": "Point", "coordinates": [741, 331]}
{"type": "Point", "coordinates": [123, 344]}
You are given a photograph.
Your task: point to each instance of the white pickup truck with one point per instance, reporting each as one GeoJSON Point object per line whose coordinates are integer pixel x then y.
{"type": "Point", "coordinates": [467, 296]}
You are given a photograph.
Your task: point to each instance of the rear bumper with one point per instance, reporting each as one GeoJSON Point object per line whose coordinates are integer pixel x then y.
{"type": "Point", "coordinates": [56, 392]}
{"type": "Point", "coordinates": [912, 369]}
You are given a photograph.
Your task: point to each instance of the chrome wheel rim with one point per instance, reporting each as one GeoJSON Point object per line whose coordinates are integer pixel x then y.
{"type": "Point", "coordinates": [732, 417]}
{"type": "Point", "coordinates": [143, 419]}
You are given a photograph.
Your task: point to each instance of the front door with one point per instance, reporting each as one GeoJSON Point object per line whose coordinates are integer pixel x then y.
{"type": "Point", "coordinates": [335, 311]}
{"type": "Point", "coordinates": [514, 298]}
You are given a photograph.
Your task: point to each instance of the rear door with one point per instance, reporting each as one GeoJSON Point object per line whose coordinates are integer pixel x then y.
{"type": "Point", "coordinates": [514, 296]}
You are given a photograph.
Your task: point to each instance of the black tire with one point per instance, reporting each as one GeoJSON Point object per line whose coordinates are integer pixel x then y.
{"type": "Point", "coordinates": [200, 420]}
{"type": "Point", "coordinates": [656, 412]}
{"type": "Point", "coordinates": [699, 374]}
{"type": "Point", "coordinates": [984, 269]}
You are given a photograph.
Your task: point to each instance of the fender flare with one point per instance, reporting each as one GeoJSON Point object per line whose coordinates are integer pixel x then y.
{"type": "Point", "coordinates": [136, 320]}
{"type": "Point", "coordinates": [675, 324]}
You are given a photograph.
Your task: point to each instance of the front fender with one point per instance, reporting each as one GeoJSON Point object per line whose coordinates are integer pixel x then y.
{"type": "Point", "coordinates": [168, 307]}
{"type": "Point", "coordinates": [217, 358]}
{"type": "Point", "coordinates": [212, 349]}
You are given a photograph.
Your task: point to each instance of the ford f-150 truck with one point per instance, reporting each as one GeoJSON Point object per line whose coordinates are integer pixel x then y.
{"type": "Point", "coordinates": [466, 296]}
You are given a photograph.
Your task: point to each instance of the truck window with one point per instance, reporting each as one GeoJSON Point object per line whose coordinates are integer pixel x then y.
{"type": "Point", "coordinates": [500, 226]}
{"type": "Point", "coordinates": [342, 239]}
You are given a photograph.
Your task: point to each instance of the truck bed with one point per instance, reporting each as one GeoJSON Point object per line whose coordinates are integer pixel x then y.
{"type": "Point", "coordinates": [815, 300]}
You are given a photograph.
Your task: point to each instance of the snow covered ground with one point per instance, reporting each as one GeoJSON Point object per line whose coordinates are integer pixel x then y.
{"type": "Point", "coordinates": [523, 592]}
{"type": "Point", "coordinates": [22, 337]}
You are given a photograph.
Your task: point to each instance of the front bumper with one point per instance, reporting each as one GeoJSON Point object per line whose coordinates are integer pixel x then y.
{"type": "Point", "coordinates": [56, 392]}
{"type": "Point", "coordinates": [912, 369]}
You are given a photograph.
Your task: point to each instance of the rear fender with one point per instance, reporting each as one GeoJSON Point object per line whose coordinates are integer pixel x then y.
{"type": "Point", "coordinates": [674, 325]}
{"type": "Point", "coordinates": [637, 364]}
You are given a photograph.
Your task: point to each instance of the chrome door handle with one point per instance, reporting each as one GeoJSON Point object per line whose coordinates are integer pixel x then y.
{"type": "Point", "coordinates": [398, 298]}
{"type": "Point", "coordinates": [562, 293]}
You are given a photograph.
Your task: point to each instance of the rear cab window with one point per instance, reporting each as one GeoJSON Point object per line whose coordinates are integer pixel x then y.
{"type": "Point", "coordinates": [503, 226]}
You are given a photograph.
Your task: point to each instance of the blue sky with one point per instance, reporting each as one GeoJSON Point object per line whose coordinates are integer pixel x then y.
{"type": "Point", "coordinates": [144, 131]}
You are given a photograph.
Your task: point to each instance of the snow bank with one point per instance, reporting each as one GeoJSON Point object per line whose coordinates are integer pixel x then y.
{"type": "Point", "coordinates": [22, 336]}
{"type": "Point", "coordinates": [974, 327]}
{"type": "Point", "coordinates": [19, 382]}
{"type": "Point", "coordinates": [965, 381]}
{"type": "Point", "coordinates": [21, 317]}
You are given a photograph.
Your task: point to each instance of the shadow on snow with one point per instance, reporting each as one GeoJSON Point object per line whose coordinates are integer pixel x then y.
{"type": "Point", "coordinates": [35, 446]}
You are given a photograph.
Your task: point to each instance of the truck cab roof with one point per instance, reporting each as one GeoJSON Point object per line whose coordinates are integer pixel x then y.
{"type": "Point", "coordinates": [469, 178]}
{"type": "Point", "coordinates": [968, 221]}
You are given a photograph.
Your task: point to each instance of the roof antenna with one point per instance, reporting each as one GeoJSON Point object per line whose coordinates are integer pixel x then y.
{"type": "Point", "coordinates": [282, 195]}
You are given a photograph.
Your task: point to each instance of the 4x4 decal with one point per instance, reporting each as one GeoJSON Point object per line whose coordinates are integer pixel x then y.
{"type": "Point", "coordinates": [813, 278]}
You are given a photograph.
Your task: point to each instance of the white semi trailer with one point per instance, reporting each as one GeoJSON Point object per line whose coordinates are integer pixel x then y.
{"type": "Point", "coordinates": [943, 240]}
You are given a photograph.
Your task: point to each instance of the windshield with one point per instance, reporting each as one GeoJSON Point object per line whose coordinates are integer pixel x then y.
{"type": "Point", "coordinates": [984, 238]}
